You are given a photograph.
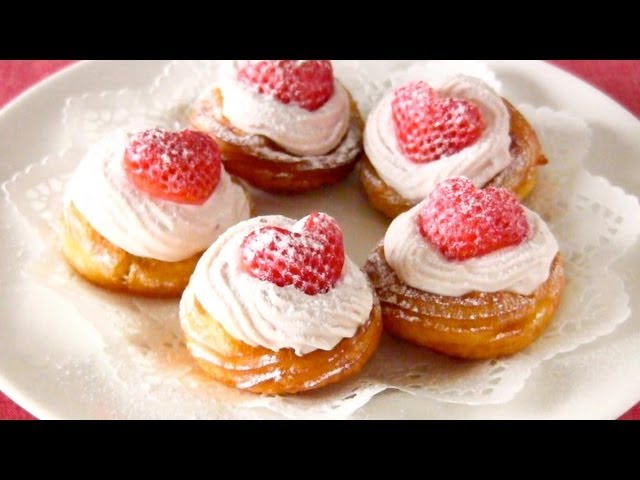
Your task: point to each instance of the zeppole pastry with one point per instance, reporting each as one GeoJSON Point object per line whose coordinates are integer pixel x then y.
{"type": "Point", "coordinates": [284, 126]}
{"type": "Point", "coordinates": [276, 307]}
{"type": "Point", "coordinates": [417, 136]}
{"type": "Point", "coordinates": [468, 273]}
{"type": "Point", "coordinates": [140, 209]}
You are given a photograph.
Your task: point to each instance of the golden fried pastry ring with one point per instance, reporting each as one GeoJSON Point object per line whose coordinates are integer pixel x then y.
{"type": "Point", "coordinates": [519, 176]}
{"type": "Point", "coordinates": [260, 370]}
{"type": "Point", "coordinates": [474, 326]}
{"type": "Point", "coordinates": [267, 166]}
{"type": "Point", "coordinates": [104, 264]}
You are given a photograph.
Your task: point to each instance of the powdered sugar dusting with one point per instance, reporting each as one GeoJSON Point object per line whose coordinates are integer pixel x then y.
{"type": "Point", "coordinates": [183, 167]}
{"type": "Point", "coordinates": [310, 256]}
{"type": "Point", "coordinates": [463, 222]}
{"type": "Point", "coordinates": [142, 224]}
{"type": "Point", "coordinates": [263, 313]}
{"type": "Point", "coordinates": [519, 268]}
{"type": "Point", "coordinates": [306, 83]}
{"type": "Point", "coordinates": [207, 115]}
{"type": "Point", "coordinates": [429, 127]}
{"type": "Point", "coordinates": [479, 161]}
{"type": "Point", "coordinates": [293, 129]}
{"type": "Point", "coordinates": [393, 291]}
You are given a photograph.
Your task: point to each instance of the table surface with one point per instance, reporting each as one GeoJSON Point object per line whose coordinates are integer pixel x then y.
{"type": "Point", "coordinates": [620, 79]}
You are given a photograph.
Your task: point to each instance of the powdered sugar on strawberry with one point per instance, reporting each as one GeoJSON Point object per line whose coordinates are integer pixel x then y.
{"type": "Point", "coordinates": [414, 168]}
{"type": "Point", "coordinates": [144, 225]}
{"type": "Point", "coordinates": [311, 258]}
{"type": "Point", "coordinates": [182, 167]}
{"type": "Point", "coordinates": [313, 121]}
{"type": "Point", "coordinates": [464, 222]}
{"type": "Point", "coordinates": [519, 261]}
{"type": "Point", "coordinates": [429, 127]}
{"type": "Point", "coordinates": [260, 312]}
{"type": "Point", "coordinates": [306, 83]}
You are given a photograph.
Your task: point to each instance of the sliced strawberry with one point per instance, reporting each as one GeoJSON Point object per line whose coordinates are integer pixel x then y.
{"type": "Point", "coordinates": [463, 222]}
{"type": "Point", "coordinates": [306, 83]}
{"type": "Point", "coordinates": [310, 256]}
{"type": "Point", "coordinates": [182, 167]}
{"type": "Point", "coordinates": [429, 127]}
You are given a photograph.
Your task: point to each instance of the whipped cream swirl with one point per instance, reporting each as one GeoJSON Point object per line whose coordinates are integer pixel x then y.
{"type": "Point", "coordinates": [479, 162]}
{"type": "Point", "coordinates": [261, 313]}
{"type": "Point", "coordinates": [297, 130]}
{"type": "Point", "coordinates": [140, 224]}
{"type": "Point", "coordinates": [520, 268]}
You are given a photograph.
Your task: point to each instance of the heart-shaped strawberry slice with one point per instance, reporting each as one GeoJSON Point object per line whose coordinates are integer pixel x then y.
{"type": "Point", "coordinates": [310, 256]}
{"type": "Point", "coordinates": [429, 127]}
{"type": "Point", "coordinates": [182, 167]}
{"type": "Point", "coordinates": [464, 222]}
{"type": "Point", "coordinates": [306, 83]}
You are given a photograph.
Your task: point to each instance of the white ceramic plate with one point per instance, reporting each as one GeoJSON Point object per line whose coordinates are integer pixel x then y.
{"type": "Point", "coordinates": [30, 351]}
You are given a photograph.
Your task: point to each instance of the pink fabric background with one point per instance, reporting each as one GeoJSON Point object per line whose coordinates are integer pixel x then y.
{"type": "Point", "coordinates": [620, 79]}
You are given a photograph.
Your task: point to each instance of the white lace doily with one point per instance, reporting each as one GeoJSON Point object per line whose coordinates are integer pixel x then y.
{"type": "Point", "coordinates": [594, 222]}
